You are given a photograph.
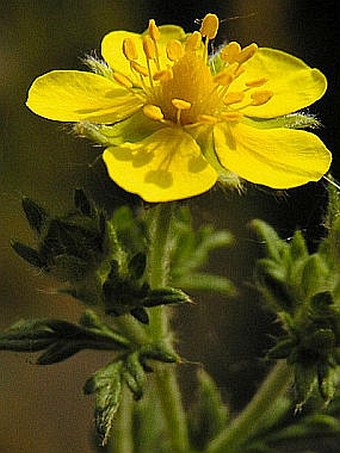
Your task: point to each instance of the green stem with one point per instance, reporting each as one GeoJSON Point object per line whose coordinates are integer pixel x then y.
{"type": "Point", "coordinates": [244, 425]}
{"type": "Point", "coordinates": [168, 390]}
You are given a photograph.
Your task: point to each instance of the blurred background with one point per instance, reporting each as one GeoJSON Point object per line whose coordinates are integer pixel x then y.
{"type": "Point", "coordinates": [42, 409]}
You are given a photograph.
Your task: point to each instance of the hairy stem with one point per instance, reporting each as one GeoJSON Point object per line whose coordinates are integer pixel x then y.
{"type": "Point", "coordinates": [122, 441]}
{"type": "Point", "coordinates": [167, 384]}
{"type": "Point", "coordinates": [243, 426]}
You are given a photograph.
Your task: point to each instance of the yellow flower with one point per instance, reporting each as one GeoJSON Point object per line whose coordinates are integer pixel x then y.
{"type": "Point", "coordinates": [180, 121]}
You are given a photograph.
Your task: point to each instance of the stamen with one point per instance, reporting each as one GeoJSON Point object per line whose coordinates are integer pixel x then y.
{"type": "Point", "coordinates": [181, 104]}
{"type": "Point", "coordinates": [247, 53]}
{"type": "Point", "coordinates": [230, 52]}
{"type": "Point", "coordinates": [174, 50]}
{"type": "Point", "coordinates": [207, 119]}
{"type": "Point", "coordinates": [129, 49]}
{"type": "Point", "coordinates": [153, 30]}
{"type": "Point", "coordinates": [139, 68]}
{"type": "Point", "coordinates": [193, 42]}
{"type": "Point", "coordinates": [153, 112]}
{"type": "Point", "coordinates": [149, 48]}
{"type": "Point", "coordinates": [261, 97]}
{"type": "Point", "coordinates": [164, 75]}
{"type": "Point", "coordinates": [224, 77]}
{"type": "Point", "coordinates": [233, 97]}
{"type": "Point", "coordinates": [209, 26]}
{"type": "Point", "coordinates": [256, 83]}
{"type": "Point", "coordinates": [122, 80]}
{"type": "Point", "coordinates": [232, 116]}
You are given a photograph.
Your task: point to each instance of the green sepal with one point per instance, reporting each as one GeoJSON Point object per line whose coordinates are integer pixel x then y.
{"type": "Point", "coordinates": [82, 203]}
{"type": "Point", "coordinates": [137, 265]}
{"type": "Point", "coordinates": [134, 375]}
{"type": "Point", "coordinates": [30, 255]}
{"type": "Point", "coordinates": [35, 214]}
{"type": "Point", "coordinates": [165, 296]}
{"type": "Point", "coordinates": [60, 339]}
{"type": "Point", "coordinates": [209, 416]}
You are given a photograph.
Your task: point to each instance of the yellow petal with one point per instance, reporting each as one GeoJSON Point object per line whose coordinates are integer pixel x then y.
{"type": "Point", "coordinates": [76, 95]}
{"type": "Point", "coordinates": [294, 84]}
{"type": "Point", "coordinates": [278, 158]}
{"type": "Point", "coordinates": [112, 45]}
{"type": "Point", "coordinates": [166, 166]}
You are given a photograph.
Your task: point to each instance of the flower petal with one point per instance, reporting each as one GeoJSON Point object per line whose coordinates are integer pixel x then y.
{"type": "Point", "coordinates": [294, 84]}
{"type": "Point", "coordinates": [278, 158]}
{"type": "Point", "coordinates": [166, 166]}
{"type": "Point", "coordinates": [112, 47]}
{"type": "Point", "coordinates": [76, 95]}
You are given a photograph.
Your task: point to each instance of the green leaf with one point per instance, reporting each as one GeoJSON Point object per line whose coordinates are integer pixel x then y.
{"type": "Point", "coordinates": [209, 415]}
{"type": "Point", "coordinates": [35, 214]}
{"type": "Point", "coordinates": [274, 245]}
{"type": "Point", "coordinates": [165, 296]}
{"type": "Point", "coordinates": [107, 384]}
{"type": "Point", "coordinates": [30, 255]}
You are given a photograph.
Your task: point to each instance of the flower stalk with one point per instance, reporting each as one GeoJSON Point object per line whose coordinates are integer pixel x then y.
{"type": "Point", "coordinates": [242, 427]}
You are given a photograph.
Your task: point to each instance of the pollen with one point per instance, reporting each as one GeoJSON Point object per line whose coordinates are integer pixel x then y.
{"type": "Point", "coordinates": [153, 112]}
{"type": "Point", "coordinates": [256, 83]}
{"type": "Point", "coordinates": [261, 97]}
{"type": "Point", "coordinates": [180, 104]}
{"type": "Point", "coordinates": [193, 42]}
{"type": "Point", "coordinates": [149, 48]}
{"type": "Point", "coordinates": [174, 50]}
{"type": "Point", "coordinates": [233, 97]}
{"type": "Point", "coordinates": [247, 53]}
{"type": "Point", "coordinates": [142, 70]}
{"type": "Point", "coordinates": [209, 26]}
{"type": "Point", "coordinates": [224, 77]}
{"type": "Point", "coordinates": [230, 52]}
{"type": "Point", "coordinates": [122, 80]}
{"type": "Point", "coordinates": [153, 30]}
{"type": "Point", "coordinates": [129, 49]}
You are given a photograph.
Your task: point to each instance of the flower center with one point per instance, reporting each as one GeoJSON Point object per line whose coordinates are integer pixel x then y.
{"type": "Point", "coordinates": [183, 88]}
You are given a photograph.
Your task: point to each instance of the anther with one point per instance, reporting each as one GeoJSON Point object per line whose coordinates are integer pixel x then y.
{"type": "Point", "coordinates": [207, 119]}
{"type": "Point", "coordinates": [247, 53]}
{"type": "Point", "coordinates": [261, 97]}
{"type": "Point", "coordinates": [122, 80]}
{"type": "Point", "coordinates": [230, 52]}
{"type": "Point", "coordinates": [153, 112]}
{"type": "Point", "coordinates": [193, 42]}
{"type": "Point", "coordinates": [153, 30]}
{"type": "Point", "coordinates": [209, 26]}
{"type": "Point", "coordinates": [224, 77]}
{"type": "Point", "coordinates": [149, 48]}
{"type": "Point", "coordinates": [166, 74]}
{"type": "Point", "coordinates": [139, 68]}
{"type": "Point", "coordinates": [181, 104]}
{"type": "Point", "coordinates": [232, 116]}
{"type": "Point", "coordinates": [174, 50]}
{"type": "Point", "coordinates": [129, 49]}
{"type": "Point", "coordinates": [233, 97]}
{"type": "Point", "coordinates": [256, 83]}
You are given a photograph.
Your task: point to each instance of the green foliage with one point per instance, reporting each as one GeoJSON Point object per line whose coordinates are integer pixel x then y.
{"type": "Point", "coordinates": [190, 252]}
{"type": "Point", "coordinates": [303, 290]}
{"type": "Point", "coordinates": [209, 415]}
{"type": "Point", "coordinates": [62, 339]}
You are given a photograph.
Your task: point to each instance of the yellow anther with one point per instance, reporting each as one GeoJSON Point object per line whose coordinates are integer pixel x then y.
{"type": "Point", "coordinates": [231, 116]}
{"type": "Point", "coordinates": [166, 74]}
{"type": "Point", "coordinates": [180, 104]}
{"type": "Point", "coordinates": [256, 83]}
{"type": "Point", "coordinates": [130, 49]}
{"type": "Point", "coordinates": [261, 97]}
{"type": "Point", "coordinates": [153, 112]}
{"type": "Point", "coordinates": [139, 68]}
{"type": "Point", "coordinates": [153, 30]}
{"type": "Point", "coordinates": [122, 80]}
{"type": "Point", "coordinates": [207, 119]}
{"type": "Point", "coordinates": [209, 26]}
{"type": "Point", "coordinates": [224, 77]}
{"type": "Point", "coordinates": [233, 97]}
{"type": "Point", "coordinates": [149, 48]}
{"type": "Point", "coordinates": [247, 52]}
{"type": "Point", "coordinates": [194, 41]}
{"type": "Point", "coordinates": [230, 52]}
{"type": "Point", "coordinates": [174, 50]}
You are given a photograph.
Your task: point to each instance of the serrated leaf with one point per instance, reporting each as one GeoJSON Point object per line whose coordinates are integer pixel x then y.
{"type": "Point", "coordinates": [273, 243]}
